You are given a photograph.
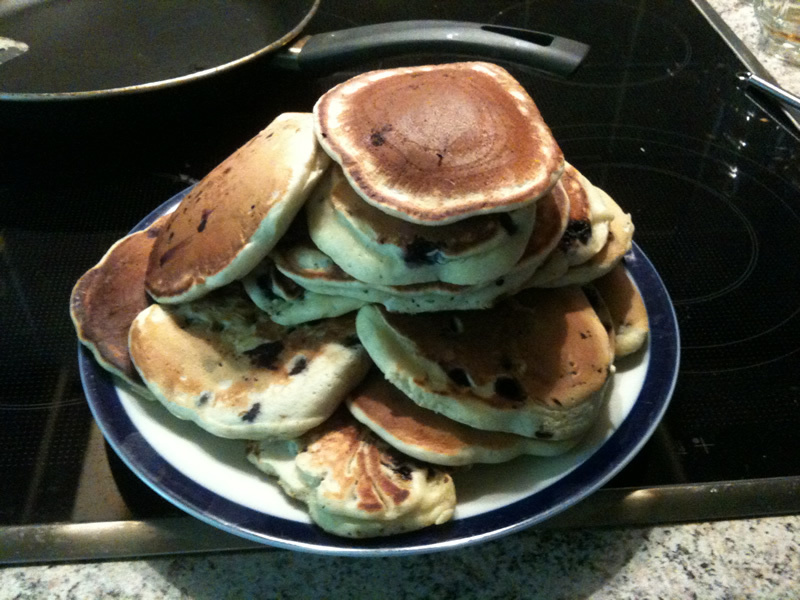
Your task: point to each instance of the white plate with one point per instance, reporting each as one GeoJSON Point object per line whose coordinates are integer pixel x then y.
{"type": "Point", "coordinates": [210, 478]}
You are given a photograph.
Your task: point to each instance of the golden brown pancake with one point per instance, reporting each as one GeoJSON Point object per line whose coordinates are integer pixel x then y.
{"type": "Point", "coordinates": [235, 215]}
{"type": "Point", "coordinates": [618, 242]}
{"type": "Point", "coordinates": [287, 303]}
{"type": "Point", "coordinates": [586, 230]}
{"type": "Point", "coordinates": [600, 307]}
{"type": "Point", "coordinates": [223, 364]}
{"type": "Point", "coordinates": [626, 308]}
{"type": "Point", "coordinates": [579, 227]}
{"type": "Point", "coordinates": [353, 483]}
{"type": "Point", "coordinates": [438, 143]}
{"type": "Point", "coordinates": [299, 259]}
{"type": "Point", "coordinates": [536, 364]}
{"type": "Point", "coordinates": [552, 218]}
{"type": "Point", "coordinates": [461, 238]}
{"type": "Point", "coordinates": [379, 249]}
{"type": "Point", "coordinates": [431, 437]}
{"type": "Point", "coordinates": [107, 298]}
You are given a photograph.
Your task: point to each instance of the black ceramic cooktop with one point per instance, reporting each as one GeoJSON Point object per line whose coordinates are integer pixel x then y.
{"type": "Point", "coordinates": [654, 116]}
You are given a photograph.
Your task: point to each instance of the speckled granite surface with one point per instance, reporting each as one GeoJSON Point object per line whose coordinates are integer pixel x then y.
{"type": "Point", "coordinates": [739, 16]}
{"type": "Point", "coordinates": [757, 558]}
{"type": "Point", "coordinates": [724, 560]}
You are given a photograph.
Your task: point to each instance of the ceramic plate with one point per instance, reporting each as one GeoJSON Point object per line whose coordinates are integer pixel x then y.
{"type": "Point", "coordinates": [210, 478]}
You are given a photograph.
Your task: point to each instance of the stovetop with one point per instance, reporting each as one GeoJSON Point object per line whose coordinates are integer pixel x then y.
{"type": "Point", "coordinates": [655, 116]}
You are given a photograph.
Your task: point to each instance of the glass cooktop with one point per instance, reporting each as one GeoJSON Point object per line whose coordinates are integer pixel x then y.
{"type": "Point", "coordinates": [655, 116]}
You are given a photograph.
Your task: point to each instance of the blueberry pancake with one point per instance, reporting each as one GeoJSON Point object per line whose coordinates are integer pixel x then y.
{"type": "Point", "coordinates": [589, 216]}
{"type": "Point", "coordinates": [626, 308]}
{"type": "Point", "coordinates": [315, 272]}
{"type": "Point", "coordinates": [379, 249]}
{"type": "Point", "coordinates": [618, 243]}
{"type": "Point", "coordinates": [431, 437]}
{"type": "Point", "coordinates": [439, 143]}
{"type": "Point", "coordinates": [287, 303]}
{"type": "Point", "coordinates": [587, 227]}
{"type": "Point", "coordinates": [299, 259]}
{"type": "Point", "coordinates": [536, 364]}
{"type": "Point", "coordinates": [107, 298]}
{"type": "Point", "coordinates": [353, 483]}
{"type": "Point", "coordinates": [222, 363]}
{"type": "Point", "coordinates": [235, 215]}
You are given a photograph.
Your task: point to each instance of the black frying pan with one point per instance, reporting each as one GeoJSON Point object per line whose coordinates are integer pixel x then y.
{"type": "Point", "coordinates": [71, 49]}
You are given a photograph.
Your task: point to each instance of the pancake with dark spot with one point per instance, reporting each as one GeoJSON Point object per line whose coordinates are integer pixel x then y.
{"type": "Point", "coordinates": [222, 363]}
{"type": "Point", "coordinates": [353, 483]}
{"type": "Point", "coordinates": [600, 307]}
{"type": "Point", "coordinates": [439, 143]}
{"type": "Point", "coordinates": [235, 215]}
{"type": "Point", "coordinates": [298, 258]}
{"type": "Point", "coordinates": [626, 308]}
{"type": "Point", "coordinates": [107, 298]}
{"type": "Point", "coordinates": [618, 243]}
{"type": "Point", "coordinates": [587, 227]}
{"type": "Point", "coordinates": [536, 364]}
{"type": "Point", "coordinates": [432, 437]}
{"type": "Point", "coordinates": [287, 303]}
{"type": "Point", "coordinates": [376, 248]}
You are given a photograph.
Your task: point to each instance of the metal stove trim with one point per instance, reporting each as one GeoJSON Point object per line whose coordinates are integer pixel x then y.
{"type": "Point", "coordinates": [743, 53]}
{"type": "Point", "coordinates": [608, 507]}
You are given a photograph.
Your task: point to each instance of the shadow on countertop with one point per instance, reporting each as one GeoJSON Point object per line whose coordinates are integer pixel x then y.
{"type": "Point", "coordinates": [534, 564]}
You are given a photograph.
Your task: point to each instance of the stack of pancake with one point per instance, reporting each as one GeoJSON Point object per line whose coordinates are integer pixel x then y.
{"type": "Point", "coordinates": [409, 280]}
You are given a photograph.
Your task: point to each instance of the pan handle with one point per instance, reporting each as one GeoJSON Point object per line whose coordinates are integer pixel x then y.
{"type": "Point", "coordinates": [544, 51]}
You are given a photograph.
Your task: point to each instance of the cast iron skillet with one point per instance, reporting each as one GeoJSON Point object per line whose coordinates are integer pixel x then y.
{"type": "Point", "coordinates": [73, 49]}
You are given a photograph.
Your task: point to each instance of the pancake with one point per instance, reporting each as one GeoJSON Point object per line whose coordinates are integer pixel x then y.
{"type": "Point", "coordinates": [589, 216]}
{"type": "Point", "coordinates": [603, 312]}
{"type": "Point", "coordinates": [289, 304]}
{"type": "Point", "coordinates": [436, 144]}
{"type": "Point", "coordinates": [626, 308]}
{"type": "Point", "coordinates": [379, 249]}
{"type": "Point", "coordinates": [107, 298]}
{"type": "Point", "coordinates": [536, 364]}
{"type": "Point", "coordinates": [587, 227]}
{"type": "Point", "coordinates": [223, 364]}
{"type": "Point", "coordinates": [313, 270]}
{"type": "Point", "coordinates": [431, 437]}
{"type": "Point", "coordinates": [618, 243]}
{"type": "Point", "coordinates": [552, 218]}
{"type": "Point", "coordinates": [234, 216]}
{"type": "Point", "coordinates": [353, 483]}
{"type": "Point", "coordinates": [299, 259]}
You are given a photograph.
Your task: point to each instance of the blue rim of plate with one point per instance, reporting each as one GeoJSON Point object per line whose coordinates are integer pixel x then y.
{"type": "Point", "coordinates": [609, 458]}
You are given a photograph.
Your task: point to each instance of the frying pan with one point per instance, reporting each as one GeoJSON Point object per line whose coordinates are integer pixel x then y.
{"type": "Point", "coordinates": [72, 49]}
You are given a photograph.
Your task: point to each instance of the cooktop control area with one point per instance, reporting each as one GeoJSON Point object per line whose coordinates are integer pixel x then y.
{"type": "Point", "coordinates": [655, 116]}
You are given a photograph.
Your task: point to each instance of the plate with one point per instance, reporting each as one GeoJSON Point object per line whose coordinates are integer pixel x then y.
{"type": "Point", "coordinates": [210, 478]}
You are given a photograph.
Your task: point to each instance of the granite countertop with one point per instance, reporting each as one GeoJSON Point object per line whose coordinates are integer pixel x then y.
{"type": "Point", "coordinates": [738, 15]}
{"type": "Point", "coordinates": [748, 558]}
{"type": "Point", "coordinates": [757, 558]}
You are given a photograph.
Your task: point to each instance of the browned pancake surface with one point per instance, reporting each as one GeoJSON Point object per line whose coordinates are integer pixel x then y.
{"type": "Point", "coordinates": [107, 298]}
{"type": "Point", "coordinates": [220, 215]}
{"type": "Point", "coordinates": [362, 468]}
{"type": "Point", "coordinates": [436, 144]}
{"type": "Point", "coordinates": [453, 239]}
{"type": "Point", "coordinates": [552, 214]}
{"type": "Point", "coordinates": [579, 226]}
{"type": "Point", "coordinates": [620, 236]}
{"type": "Point", "coordinates": [546, 347]}
{"type": "Point", "coordinates": [178, 359]}
{"type": "Point", "coordinates": [390, 409]}
{"type": "Point", "coordinates": [294, 245]}
{"type": "Point", "coordinates": [625, 305]}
